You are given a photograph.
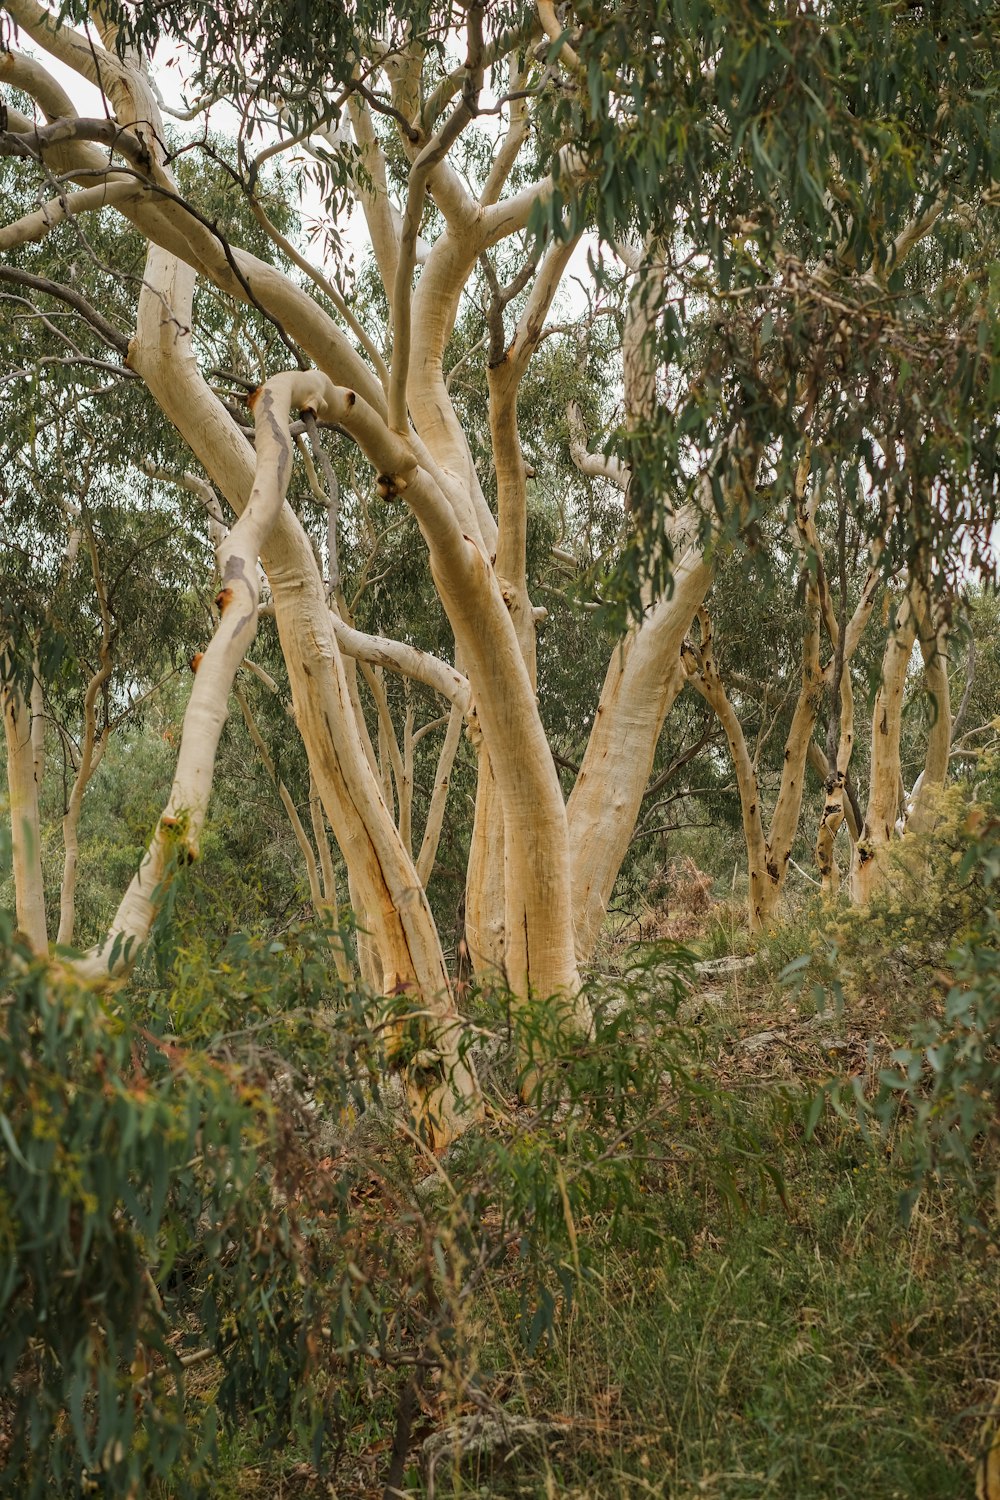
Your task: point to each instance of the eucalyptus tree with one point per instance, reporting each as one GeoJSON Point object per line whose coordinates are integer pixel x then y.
{"type": "Point", "coordinates": [95, 588]}
{"type": "Point", "coordinates": [105, 585]}
{"type": "Point", "coordinates": [756, 180]}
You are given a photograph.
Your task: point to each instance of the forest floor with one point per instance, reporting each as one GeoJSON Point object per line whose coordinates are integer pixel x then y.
{"type": "Point", "coordinates": [783, 1331]}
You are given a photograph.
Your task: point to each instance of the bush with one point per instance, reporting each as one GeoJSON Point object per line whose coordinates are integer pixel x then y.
{"type": "Point", "coordinates": [936, 924]}
{"type": "Point", "coordinates": [947, 1076]}
{"type": "Point", "coordinates": [199, 1184]}
{"type": "Point", "coordinates": [158, 1206]}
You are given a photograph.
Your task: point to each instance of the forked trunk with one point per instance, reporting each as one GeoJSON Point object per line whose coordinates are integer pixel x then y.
{"type": "Point", "coordinates": [390, 902]}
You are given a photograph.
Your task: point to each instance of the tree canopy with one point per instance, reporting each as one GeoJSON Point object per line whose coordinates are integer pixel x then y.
{"type": "Point", "coordinates": [479, 482]}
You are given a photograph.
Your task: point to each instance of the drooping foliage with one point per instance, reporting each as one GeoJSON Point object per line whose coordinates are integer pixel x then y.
{"type": "Point", "coordinates": [820, 185]}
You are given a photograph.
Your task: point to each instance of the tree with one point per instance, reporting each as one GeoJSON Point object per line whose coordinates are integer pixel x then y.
{"type": "Point", "coordinates": [790, 238]}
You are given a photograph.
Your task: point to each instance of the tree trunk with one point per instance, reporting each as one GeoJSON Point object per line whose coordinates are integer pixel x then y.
{"type": "Point", "coordinates": [439, 795]}
{"type": "Point", "coordinates": [767, 855]}
{"type": "Point", "coordinates": [787, 809]}
{"type": "Point", "coordinates": [884, 791]}
{"type": "Point", "coordinates": [643, 679]}
{"type": "Point", "coordinates": [25, 824]}
{"type": "Point", "coordinates": [933, 638]}
{"type": "Point", "coordinates": [391, 902]}
{"type": "Point", "coordinates": [92, 748]}
{"type": "Point", "coordinates": [485, 924]}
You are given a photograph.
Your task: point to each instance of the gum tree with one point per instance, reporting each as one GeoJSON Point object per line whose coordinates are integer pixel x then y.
{"type": "Point", "coordinates": [758, 185]}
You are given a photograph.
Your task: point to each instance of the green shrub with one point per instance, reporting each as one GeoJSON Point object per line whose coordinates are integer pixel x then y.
{"type": "Point", "coordinates": [933, 937]}
{"type": "Point", "coordinates": [200, 1184]}
{"type": "Point", "coordinates": [158, 1206]}
{"type": "Point", "coordinates": [947, 1076]}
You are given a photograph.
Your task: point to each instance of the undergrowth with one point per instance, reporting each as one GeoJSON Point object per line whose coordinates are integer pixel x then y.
{"type": "Point", "coordinates": [741, 1241]}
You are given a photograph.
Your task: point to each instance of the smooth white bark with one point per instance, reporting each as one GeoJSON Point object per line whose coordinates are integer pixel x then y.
{"type": "Point", "coordinates": [643, 679]}
{"type": "Point", "coordinates": [177, 836]}
{"type": "Point", "coordinates": [388, 900]}
{"type": "Point", "coordinates": [23, 788]}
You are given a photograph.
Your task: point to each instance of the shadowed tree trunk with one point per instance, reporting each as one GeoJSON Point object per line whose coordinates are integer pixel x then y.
{"type": "Point", "coordinates": [885, 791]}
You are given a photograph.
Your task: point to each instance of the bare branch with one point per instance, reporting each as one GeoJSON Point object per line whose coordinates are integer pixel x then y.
{"type": "Point", "coordinates": [69, 295]}
{"type": "Point", "coordinates": [595, 465]}
{"type": "Point", "coordinates": [406, 661]}
{"type": "Point", "coordinates": [503, 162]}
{"type": "Point", "coordinates": [557, 33]}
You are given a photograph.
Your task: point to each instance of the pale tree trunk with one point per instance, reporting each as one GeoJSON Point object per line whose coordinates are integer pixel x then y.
{"type": "Point", "coordinates": [405, 789]}
{"type": "Point", "coordinates": [539, 955]}
{"type": "Point", "coordinates": [92, 748]}
{"type": "Point", "coordinates": [519, 836]}
{"type": "Point", "coordinates": [493, 878]}
{"type": "Point", "coordinates": [520, 830]}
{"type": "Point", "coordinates": [390, 761]}
{"type": "Point", "coordinates": [485, 924]}
{"type": "Point", "coordinates": [25, 824]}
{"type": "Point", "coordinates": [703, 674]}
{"type": "Point", "coordinates": [439, 795]}
{"type": "Point", "coordinates": [331, 905]}
{"type": "Point", "coordinates": [788, 807]}
{"type": "Point", "coordinates": [445, 494]}
{"type": "Point", "coordinates": [833, 814]}
{"type": "Point", "coordinates": [643, 679]}
{"type": "Point", "coordinates": [389, 901]}
{"type": "Point", "coordinates": [539, 952]}
{"type": "Point", "coordinates": [844, 638]}
{"type": "Point", "coordinates": [817, 759]}
{"type": "Point", "coordinates": [176, 839]}
{"type": "Point", "coordinates": [645, 673]}
{"type": "Point", "coordinates": [884, 788]}
{"type": "Point", "coordinates": [840, 731]}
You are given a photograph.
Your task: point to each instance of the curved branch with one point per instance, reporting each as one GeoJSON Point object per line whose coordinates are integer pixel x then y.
{"type": "Point", "coordinates": [35, 226]}
{"type": "Point", "coordinates": [28, 75]}
{"type": "Point", "coordinates": [405, 661]}
{"type": "Point", "coordinates": [177, 834]}
{"type": "Point", "coordinates": [557, 34]}
{"type": "Point", "coordinates": [73, 299]}
{"type": "Point", "coordinates": [594, 465]}
{"type": "Point", "coordinates": [430, 157]}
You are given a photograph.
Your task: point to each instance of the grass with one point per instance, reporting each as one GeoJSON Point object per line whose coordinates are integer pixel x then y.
{"type": "Point", "coordinates": [825, 1354]}
{"type": "Point", "coordinates": [810, 1346]}
{"type": "Point", "coordinates": [726, 1340]}
{"type": "Point", "coordinates": [738, 1308]}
